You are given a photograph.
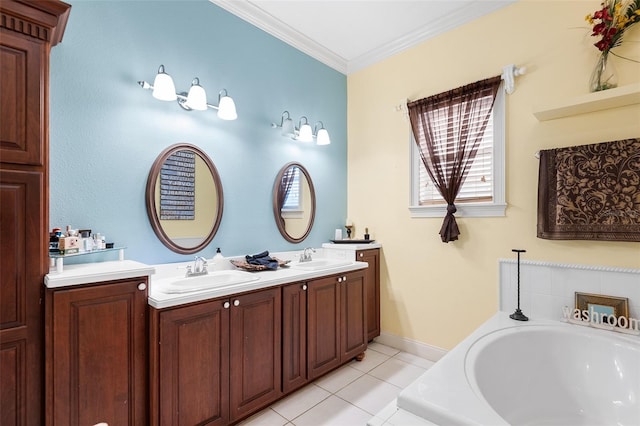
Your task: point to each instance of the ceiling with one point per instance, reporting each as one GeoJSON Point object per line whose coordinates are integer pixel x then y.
{"type": "Point", "coordinates": [351, 35]}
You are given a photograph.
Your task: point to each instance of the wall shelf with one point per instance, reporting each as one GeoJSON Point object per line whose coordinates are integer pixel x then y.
{"type": "Point", "coordinates": [57, 260]}
{"type": "Point", "coordinates": [591, 102]}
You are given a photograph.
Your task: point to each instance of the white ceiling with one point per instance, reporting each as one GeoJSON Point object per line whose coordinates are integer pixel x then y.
{"type": "Point", "coordinates": [351, 35]}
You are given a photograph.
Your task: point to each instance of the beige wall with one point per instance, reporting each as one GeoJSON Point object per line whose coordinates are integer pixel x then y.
{"type": "Point", "coordinates": [438, 293]}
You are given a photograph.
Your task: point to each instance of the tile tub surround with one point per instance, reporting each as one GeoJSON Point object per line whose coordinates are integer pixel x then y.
{"type": "Point", "coordinates": [545, 287]}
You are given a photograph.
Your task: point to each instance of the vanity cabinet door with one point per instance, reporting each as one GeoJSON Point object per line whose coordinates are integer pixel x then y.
{"type": "Point", "coordinates": [192, 365]}
{"type": "Point", "coordinates": [372, 282]}
{"type": "Point", "coordinates": [256, 351]}
{"type": "Point", "coordinates": [353, 324]}
{"type": "Point", "coordinates": [336, 330]}
{"type": "Point", "coordinates": [294, 336]}
{"type": "Point", "coordinates": [323, 327]}
{"type": "Point", "coordinates": [96, 363]}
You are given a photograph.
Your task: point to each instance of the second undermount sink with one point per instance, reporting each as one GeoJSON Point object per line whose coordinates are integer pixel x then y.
{"type": "Point", "coordinates": [216, 279]}
{"type": "Point", "coordinates": [320, 264]}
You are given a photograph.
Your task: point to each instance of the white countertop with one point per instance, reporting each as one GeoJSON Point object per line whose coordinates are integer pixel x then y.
{"type": "Point", "coordinates": [351, 246]}
{"type": "Point", "coordinates": [159, 299]}
{"type": "Point", "coordinates": [87, 273]}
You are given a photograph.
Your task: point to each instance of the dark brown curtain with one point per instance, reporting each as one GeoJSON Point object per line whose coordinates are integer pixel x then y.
{"type": "Point", "coordinates": [448, 129]}
{"type": "Point", "coordinates": [285, 186]}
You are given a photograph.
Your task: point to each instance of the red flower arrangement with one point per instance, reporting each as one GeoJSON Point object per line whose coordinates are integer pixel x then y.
{"type": "Point", "coordinates": [610, 22]}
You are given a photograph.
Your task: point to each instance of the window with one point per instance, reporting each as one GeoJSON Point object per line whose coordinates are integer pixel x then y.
{"type": "Point", "coordinates": [483, 192]}
{"type": "Point", "coordinates": [292, 207]}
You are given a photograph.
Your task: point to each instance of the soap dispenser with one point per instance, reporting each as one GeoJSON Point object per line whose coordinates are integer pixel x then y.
{"type": "Point", "coordinates": [218, 261]}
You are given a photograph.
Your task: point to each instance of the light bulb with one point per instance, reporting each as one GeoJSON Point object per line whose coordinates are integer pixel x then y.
{"type": "Point", "coordinates": [227, 108]}
{"type": "Point", "coordinates": [323, 137]}
{"type": "Point", "coordinates": [197, 97]}
{"type": "Point", "coordinates": [163, 87]}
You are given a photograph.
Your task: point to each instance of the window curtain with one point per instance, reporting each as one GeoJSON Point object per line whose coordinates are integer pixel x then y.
{"type": "Point", "coordinates": [448, 128]}
{"type": "Point", "coordinates": [285, 186]}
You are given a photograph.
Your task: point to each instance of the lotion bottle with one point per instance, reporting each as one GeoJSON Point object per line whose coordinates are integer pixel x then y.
{"type": "Point", "coordinates": [218, 261]}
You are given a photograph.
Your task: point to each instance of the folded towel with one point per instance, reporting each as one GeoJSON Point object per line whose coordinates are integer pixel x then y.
{"type": "Point", "coordinates": [262, 259]}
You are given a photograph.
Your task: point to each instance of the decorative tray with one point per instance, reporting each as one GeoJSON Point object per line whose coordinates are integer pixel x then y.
{"type": "Point", "coordinates": [243, 264]}
{"type": "Point", "coordinates": [347, 241]}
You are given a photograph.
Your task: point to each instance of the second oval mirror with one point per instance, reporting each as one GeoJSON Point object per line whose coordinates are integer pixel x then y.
{"type": "Point", "coordinates": [294, 202]}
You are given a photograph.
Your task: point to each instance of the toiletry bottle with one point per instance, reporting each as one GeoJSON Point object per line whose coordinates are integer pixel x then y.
{"type": "Point", "coordinates": [218, 261]}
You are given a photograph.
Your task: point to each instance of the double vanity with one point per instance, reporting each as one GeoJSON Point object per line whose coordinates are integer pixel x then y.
{"type": "Point", "coordinates": [138, 344]}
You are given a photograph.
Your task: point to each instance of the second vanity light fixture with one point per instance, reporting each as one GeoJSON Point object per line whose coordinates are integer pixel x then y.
{"type": "Point", "coordinates": [303, 132]}
{"type": "Point", "coordinates": [164, 90]}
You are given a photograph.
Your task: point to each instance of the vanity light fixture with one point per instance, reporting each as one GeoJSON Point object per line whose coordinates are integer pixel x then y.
{"type": "Point", "coordinates": [164, 90]}
{"type": "Point", "coordinates": [321, 134]}
{"type": "Point", "coordinates": [303, 132]}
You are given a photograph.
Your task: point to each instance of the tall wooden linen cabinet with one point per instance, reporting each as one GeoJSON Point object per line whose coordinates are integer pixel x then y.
{"type": "Point", "coordinates": [28, 30]}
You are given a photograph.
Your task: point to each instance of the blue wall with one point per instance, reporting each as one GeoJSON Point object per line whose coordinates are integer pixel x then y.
{"type": "Point", "coordinates": [106, 132]}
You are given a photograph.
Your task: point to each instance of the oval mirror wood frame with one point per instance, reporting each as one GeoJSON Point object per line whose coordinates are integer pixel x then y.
{"type": "Point", "coordinates": [276, 208]}
{"type": "Point", "coordinates": [151, 201]}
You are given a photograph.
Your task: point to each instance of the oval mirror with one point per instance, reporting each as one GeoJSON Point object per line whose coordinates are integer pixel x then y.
{"type": "Point", "coordinates": [184, 198]}
{"type": "Point", "coordinates": [294, 202]}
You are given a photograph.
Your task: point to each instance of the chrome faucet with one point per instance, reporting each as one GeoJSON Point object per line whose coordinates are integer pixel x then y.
{"type": "Point", "coordinates": [199, 267]}
{"type": "Point", "coordinates": [305, 256]}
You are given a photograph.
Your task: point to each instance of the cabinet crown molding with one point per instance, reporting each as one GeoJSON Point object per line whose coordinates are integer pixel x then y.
{"type": "Point", "coordinates": [42, 20]}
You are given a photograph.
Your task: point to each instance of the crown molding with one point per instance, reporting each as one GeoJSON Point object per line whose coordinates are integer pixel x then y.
{"type": "Point", "coordinates": [461, 16]}
{"type": "Point", "coordinates": [254, 15]}
{"type": "Point", "coordinates": [272, 25]}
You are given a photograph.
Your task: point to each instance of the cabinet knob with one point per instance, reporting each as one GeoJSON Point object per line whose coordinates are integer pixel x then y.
{"type": "Point", "coordinates": [361, 254]}
{"type": "Point", "coordinates": [344, 278]}
{"type": "Point", "coordinates": [142, 286]}
{"type": "Point", "coordinates": [304, 287]}
{"type": "Point", "coordinates": [226, 305]}
{"type": "Point", "coordinates": [339, 279]}
{"type": "Point", "coordinates": [236, 302]}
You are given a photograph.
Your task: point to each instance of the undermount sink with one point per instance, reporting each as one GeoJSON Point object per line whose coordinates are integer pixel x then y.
{"type": "Point", "coordinates": [214, 279]}
{"type": "Point", "coordinates": [320, 264]}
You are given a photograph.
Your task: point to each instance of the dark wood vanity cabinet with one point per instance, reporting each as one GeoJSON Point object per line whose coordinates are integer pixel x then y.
{"type": "Point", "coordinates": [28, 30]}
{"type": "Point", "coordinates": [372, 281]}
{"type": "Point", "coordinates": [96, 360]}
{"type": "Point", "coordinates": [294, 336]}
{"type": "Point", "coordinates": [337, 318]}
{"type": "Point", "coordinates": [216, 362]}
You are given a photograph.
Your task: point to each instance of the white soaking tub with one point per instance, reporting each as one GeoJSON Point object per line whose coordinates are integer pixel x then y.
{"type": "Point", "coordinates": [532, 373]}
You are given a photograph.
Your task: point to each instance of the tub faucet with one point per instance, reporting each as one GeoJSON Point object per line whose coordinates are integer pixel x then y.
{"type": "Point", "coordinates": [199, 267]}
{"type": "Point", "coordinates": [305, 256]}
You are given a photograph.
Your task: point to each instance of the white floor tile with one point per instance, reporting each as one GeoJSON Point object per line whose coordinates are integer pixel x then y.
{"type": "Point", "coordinates": [415, 360]}
{"type": "Point", "coordinates": [369, 393]}
{"type": "Point", "coordinates": [396, 372]}
{"type": "Point", "coordinates": [266, 417]}
{"type": "Point", "coordinates": [333, 411]}
{"type": "Point", "coordinates": [338, 379]}
{"type": "Point", "coordinates": [379, 347]}
{"type": "Point", "coordinates": [371, 360]}
{"type": "Point", "coordinates": [300, 401]}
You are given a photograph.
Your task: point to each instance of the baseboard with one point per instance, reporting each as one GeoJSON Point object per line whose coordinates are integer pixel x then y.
{"type": "Point", "coordinates": [423, 350]}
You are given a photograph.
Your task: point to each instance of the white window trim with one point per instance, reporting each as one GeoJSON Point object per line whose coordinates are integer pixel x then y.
{"type": "Point", "coordinates": [498, 206]}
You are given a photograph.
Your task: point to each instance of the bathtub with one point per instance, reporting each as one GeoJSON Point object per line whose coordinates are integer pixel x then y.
{"type": "Point", "coordinates": [531, 373]}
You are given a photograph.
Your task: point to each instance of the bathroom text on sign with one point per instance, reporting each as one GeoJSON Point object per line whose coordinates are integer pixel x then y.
{"type": "Point", "coordinates": [601, 320]}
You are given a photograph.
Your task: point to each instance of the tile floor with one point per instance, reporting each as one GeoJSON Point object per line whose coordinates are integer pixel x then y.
{"type": "Point", "coordinates": [350, 395]}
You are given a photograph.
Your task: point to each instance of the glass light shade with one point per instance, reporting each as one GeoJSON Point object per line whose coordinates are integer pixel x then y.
{"type": "Point", "coordinates": [163, 87]}
{"type": "Point", "coordinates": [287, 127]}
{"type": "Point", "coordinates": [197, 97]}
{"type": "Point", "coordinates": [323, 137]}
{"type": "Point", "coordinates": [227, 108]}
{"type": "Point", "coordinates": [305, 134]}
